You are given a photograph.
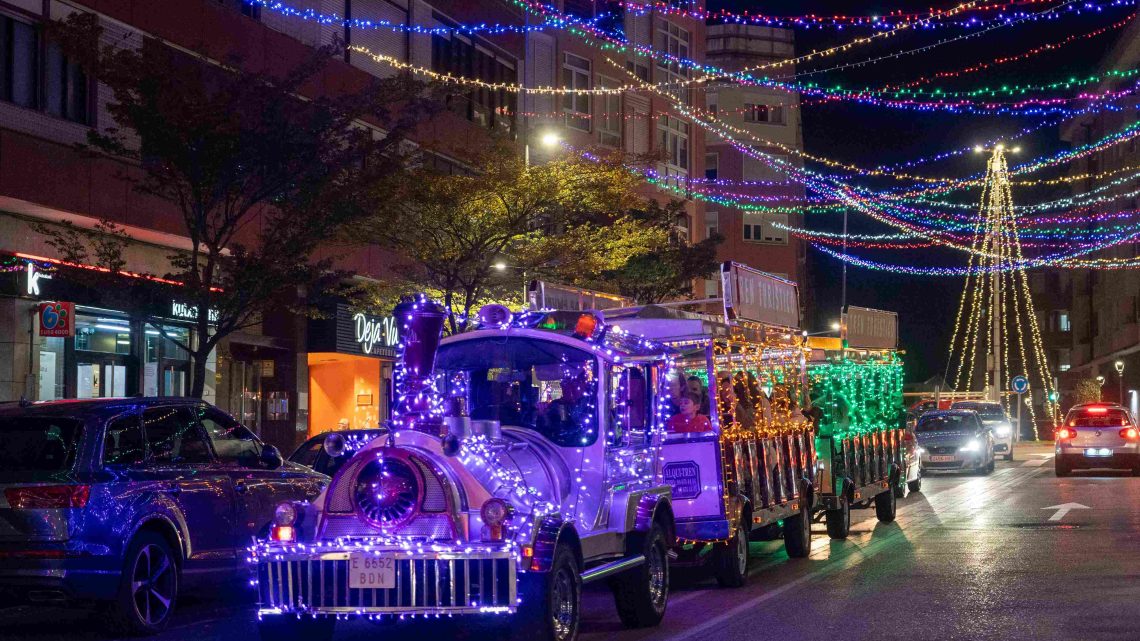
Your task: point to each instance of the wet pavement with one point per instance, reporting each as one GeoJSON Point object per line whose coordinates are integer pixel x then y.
{"type": "Point", "coordinates": [969, 557]}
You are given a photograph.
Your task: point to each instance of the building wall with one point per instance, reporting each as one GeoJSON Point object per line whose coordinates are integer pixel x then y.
{"type": "Point", "coordinates": [750, 115]}
{"type": "Point", "coordinates": [1104, 305]}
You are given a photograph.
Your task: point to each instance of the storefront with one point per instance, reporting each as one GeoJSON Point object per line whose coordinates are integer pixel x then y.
{"type": "Point", "coordinates": [123, 339]}
{"type": "Point", "coordinates": [351, 358]}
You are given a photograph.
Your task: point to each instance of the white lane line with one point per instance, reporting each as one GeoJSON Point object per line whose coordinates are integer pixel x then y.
{"type": "Point", "coordinates": [855, 556]}
{"type": "Point", "coordinates": [1036, 462]}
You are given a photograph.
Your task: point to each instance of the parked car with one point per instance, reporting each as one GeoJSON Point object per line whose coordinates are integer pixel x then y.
{"type": "Point", "coordinates": [314, 453]}
{"type": "Point", "coordinates": [955, 440]}
{"type": "Point", "coordinates": [1097, 435]}
{"type": "Point", "coordinates": [118, 501]}
{"type": "Point", "coordinates": [994, 417]}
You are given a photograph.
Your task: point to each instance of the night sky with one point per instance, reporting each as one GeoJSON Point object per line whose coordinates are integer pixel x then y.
{"type": "Point", "coordinates": [868, 136]}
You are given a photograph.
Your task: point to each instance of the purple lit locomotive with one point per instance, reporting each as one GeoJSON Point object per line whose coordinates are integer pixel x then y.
{"type": "Point", "coordinates": [524, 462]}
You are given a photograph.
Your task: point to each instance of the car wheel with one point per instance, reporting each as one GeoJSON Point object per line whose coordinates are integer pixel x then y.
{"type": "Point", "coordinates": [732, 560]}
{"type": "Point", "coordinates": [551, 606]}
{"type": "Point", "coordinates": [797, 533]}
{"type": "Point", "coordinates": [915, 485]}
{"type": "Point", "coordinates": [839, 520]}
{"type": "Point", "coordinates": [990, 463]}
{"type": "Point", "coordinates": [1009, 455]}
{"type": "Point", "coordinates": [642, 593]}
{"type": "Point", "coordinates": [287, 627]}
{"type": "Point", "coordinates": [885, 506]}
{"type": "Point", "coordinates": [148, 587]}
{"type": "Point", "coordinates": [1060, 467]}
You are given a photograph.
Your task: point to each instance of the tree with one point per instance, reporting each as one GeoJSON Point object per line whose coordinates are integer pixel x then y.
{"type": "Point", "coordinates": [1086, 390]}
{"type": "Point", "coordinates": [667, 269]}
{"type": "Point", "coordinates": [569, 217]}
{"type": "Point", "coordinates": [260, 175]}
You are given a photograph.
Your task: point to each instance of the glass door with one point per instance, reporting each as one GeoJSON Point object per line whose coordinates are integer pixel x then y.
{"type": "Point", "coordinates": [166, 367]}
{"type": "Point", "coordinates": [102, 358]}
{"type": "Point", "coordinates": [245, 393]}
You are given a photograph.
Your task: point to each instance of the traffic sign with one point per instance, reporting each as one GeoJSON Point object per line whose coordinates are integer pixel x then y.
{"type": "Point", "coordinates": [1019, 384]}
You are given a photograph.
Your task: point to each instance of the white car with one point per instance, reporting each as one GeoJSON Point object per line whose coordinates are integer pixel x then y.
{"type": "Point", "coordinates": [1097, 435]}
{"type": "Point", "coordinates": [996, 420]}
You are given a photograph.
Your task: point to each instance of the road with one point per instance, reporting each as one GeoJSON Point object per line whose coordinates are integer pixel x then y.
{"type": "Point", "coordinates": [969, 557]}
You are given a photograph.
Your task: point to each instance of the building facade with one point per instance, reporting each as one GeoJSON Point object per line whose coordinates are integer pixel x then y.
{"type": "Point", "coordinates": [769, 121]}
{"type": "Point", "coordinates": [1099, 310]}
{"type": "Point", "coordinates": [291, 375]}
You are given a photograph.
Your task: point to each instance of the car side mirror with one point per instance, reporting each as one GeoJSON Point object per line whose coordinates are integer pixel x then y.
{"type": "Point", "coordinates": [271, 457]}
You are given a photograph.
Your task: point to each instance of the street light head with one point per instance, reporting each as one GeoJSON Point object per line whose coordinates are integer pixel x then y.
{"type": "Point", "coordinates": [1000, 147]}
{"type": "Point", "coordinates": [1015, 150]}
{"type": "Point", "coordinates": [550, 139]}
{"type": "Point", "coordinates": [835, 327]}
{"type": "Point", "coordinates": [979, 149]}
{"type": "Point", "coordinates": [501, 266]}
{"type": "Point", "coordinates": [1119, 365]}
{"type": "Point", "coordinates": [1100, 380]}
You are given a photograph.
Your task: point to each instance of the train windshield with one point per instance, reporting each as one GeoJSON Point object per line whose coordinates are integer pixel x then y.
{"type": "Point", "coordinates": [525, 382]}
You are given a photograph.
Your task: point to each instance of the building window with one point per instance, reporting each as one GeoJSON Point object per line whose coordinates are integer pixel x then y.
{"type": "Point", "coordinates": [25, 69]}
{"type": "Point", "coordinates": [712, 166]}
{"type": "Point", "coordinates": [610, 120]}
{"type": "Point", "coordinates": [673, 139]}
{"type": "Point", "coordinates": [1062, 359]}
{"type": "Point", "coordinates": [1060, 322]}
{"type": "Point", "coordinates": [712, 288]}
{"type": "Point", "coordinates": [712, 223]}
{"type": "Point", "coordinates": [713, 102]}
{"type": "Point", "coordinates": [766, 228]}
{"type": "Point", "coordinates": [674, 41]}
{"type": "Point", "coordinates": [576, 75]}
{"type": "Point", "coordinates": [459, 56]}
{"type": "Point", "coordinates": [768, 114]}
{"type": "Point", "coordinates": [638, 69]}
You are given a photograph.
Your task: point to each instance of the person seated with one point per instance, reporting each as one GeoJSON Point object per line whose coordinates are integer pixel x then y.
{"type": "Point", "coordinates": [697, 386]}
{"type": "Point", "coordinates": [689, 420]}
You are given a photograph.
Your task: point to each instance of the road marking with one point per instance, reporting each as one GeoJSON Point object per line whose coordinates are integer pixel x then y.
{"type": "Point", "coordinates": [1037, 462]}
{"type": "Point", "coordinates": [858, 554]}
{"type": "Point", "coordinates": [1064, 509]}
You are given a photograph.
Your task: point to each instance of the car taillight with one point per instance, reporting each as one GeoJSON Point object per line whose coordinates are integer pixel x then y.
{"type": "Point", "coordinates": [1129, 433]}
{"type": "Point", "coordinates": [1066, 433]}
{"type": "Point", "coordinates": [46, 497]}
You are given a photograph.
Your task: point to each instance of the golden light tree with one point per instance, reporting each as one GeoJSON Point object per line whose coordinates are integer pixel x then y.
{"type": "Point", "coordinates": [996, 320]}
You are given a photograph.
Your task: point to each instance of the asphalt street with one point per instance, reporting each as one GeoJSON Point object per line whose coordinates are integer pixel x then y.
{"type": "Point", "coordinates": [969, 557]}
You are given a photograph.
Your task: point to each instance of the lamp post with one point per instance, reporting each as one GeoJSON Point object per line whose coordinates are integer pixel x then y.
{"type": "Point", "coordinates": [502, 267]}
{"type": "Point", "coordinates": [548, 139]}
{"type": "Point", "coordinates": [1119, 365]}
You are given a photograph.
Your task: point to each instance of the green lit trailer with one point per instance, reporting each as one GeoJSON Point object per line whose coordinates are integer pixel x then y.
{"type": "Point", "coordinates": [857, 402]}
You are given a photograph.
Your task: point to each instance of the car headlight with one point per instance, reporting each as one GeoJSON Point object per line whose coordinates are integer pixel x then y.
{"type": "Point", "coordinates": [1003, 430]}
{"type": "Point", "coordinates": [974, 445]}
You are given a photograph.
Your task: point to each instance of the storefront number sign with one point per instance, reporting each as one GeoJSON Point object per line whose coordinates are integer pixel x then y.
{"type": "Point", "coordinates": [57, 319]}
{"type": "Point", "coordinates": [372, 331]}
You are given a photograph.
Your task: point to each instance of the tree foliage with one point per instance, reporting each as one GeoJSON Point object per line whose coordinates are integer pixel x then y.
{"type": "Point", "coordinates": [260, 175]}
{"type": "Point", "coordinates": [566, 218]}
{"type": "Point", "coordinates": [1086, 390]}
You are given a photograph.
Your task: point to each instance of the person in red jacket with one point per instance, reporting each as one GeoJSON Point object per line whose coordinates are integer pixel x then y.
{"type": "Point", "coordinates": [689, 420]}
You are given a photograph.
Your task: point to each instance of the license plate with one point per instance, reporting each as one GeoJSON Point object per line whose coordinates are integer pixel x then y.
{"type": "Point", "coordinates": [943, 459]}
{"type": "Point", "coordinates": [1094, 451]}
{"type": "Point", "coordinates": [370, 571]}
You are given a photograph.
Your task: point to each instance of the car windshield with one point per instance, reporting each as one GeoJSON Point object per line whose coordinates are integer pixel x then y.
{"type": "Point", "coordinates": [312, 452]}
{"type": "Point", "coordinates": [1104, 418]}
{"type": "Point", "coordinates": [945, 423]}
{"type": "Point", "coordinates": [526, 382]}
{"type": "Point", "coordinates": [986, 411]}
{"type": "Point", "coordinates": [37, 444]}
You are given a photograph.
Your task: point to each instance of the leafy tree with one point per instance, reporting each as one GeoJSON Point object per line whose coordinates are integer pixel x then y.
{"type": "Point", "coordinates": [260, 176]}
{"type": "Point", "coordinates": [568, 216]}
{"type": "Point", "coordinates": [665, 270]}
{"type": "Point", "coordinates": [1086, 390]}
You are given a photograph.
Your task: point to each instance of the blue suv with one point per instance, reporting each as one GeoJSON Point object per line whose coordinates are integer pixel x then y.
{"type": "Point", "coordinates": [121, 501]}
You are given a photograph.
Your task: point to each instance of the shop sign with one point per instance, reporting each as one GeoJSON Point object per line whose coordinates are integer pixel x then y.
{"type": "Point", "coordinates": [35, 275]}
{"type": "Point", "coordinates": [759, 297]}
{"type": "Point", "coordinates": [870, 328]}
{"type": "Point", "coordinates": [190, 312]}
{"type": "Point", "coordinates": [684, 477]}
{"type": "Point", "coordinates": [371, 331]}
{"type": "Point", "coordinates": [57, 319]}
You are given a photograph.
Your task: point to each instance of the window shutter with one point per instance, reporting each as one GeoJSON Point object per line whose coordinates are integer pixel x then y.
{"type": "Point", "coordinates": [381, 41]}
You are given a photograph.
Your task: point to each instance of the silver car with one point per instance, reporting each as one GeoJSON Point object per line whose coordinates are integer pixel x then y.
{"type": "Point", "coordinates": [955, 440]}
{"type": "Point", "coordinates": [1097, 435]}
{"type": "Point", "coordinates": [994, 417]}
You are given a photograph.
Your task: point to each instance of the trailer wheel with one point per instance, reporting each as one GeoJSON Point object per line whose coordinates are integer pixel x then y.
{"type": "Point", "coordinates": [732, 560]}
{"type": "Point", "coordinates": [642, 593]}
{"type": "Point", "coordinates": [915, 485]}
{"type": "Point", "coordinates": [885, 505]}
{"type": "Point", "coordinates": [839, 520]}
{"type": "Point", "coordinates": [797, 533]}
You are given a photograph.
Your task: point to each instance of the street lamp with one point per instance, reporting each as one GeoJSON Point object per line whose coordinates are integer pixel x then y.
{"type": "Point", "coordinates": [501, 266]}
{"type": "Point", "coordinates": [548, 139]}
{"type": "Point", "coordinates": [1119, 365]}
{"type": "Point", "coordinates": [835, 326]}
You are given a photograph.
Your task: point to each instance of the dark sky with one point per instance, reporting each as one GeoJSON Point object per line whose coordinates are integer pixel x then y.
{"type": "Point", "coordinates": [868, 136]}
